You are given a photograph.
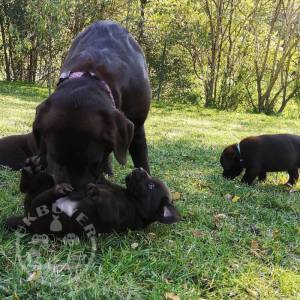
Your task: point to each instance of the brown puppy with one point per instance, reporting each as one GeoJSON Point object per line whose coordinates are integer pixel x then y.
{"type": "Point", "coordinates": [15, 149]}
{"type": "Point", "coordinates": [103, 208]}
{"type": "Point", "coordinates": [99, 106]}
{"type": "Point", "coordinates": [262, 154]}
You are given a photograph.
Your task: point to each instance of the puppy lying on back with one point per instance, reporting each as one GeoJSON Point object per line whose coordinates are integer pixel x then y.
{"type": "Point", "coordinates": [102, 208]}
{"type": "Point", "coordinates": [262, 154]}
{"type": "Point", "coordinates": [15, 149]}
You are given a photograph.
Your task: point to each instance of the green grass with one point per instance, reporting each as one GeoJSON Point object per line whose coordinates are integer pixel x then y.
{"type": "Point", "coordinates": [192, 259]}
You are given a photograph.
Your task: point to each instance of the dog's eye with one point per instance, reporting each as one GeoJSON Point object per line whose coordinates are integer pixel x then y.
{"type": "Point", "coordinates": [151, 186]}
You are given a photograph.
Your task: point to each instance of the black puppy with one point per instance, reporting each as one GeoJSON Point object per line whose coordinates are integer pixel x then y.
{"type": "Point", "coordinates": [102, 208]}
{"type": "Point", "coordinates": [15, 149]}
{"type": "Point", "coordinates": [262, 154]}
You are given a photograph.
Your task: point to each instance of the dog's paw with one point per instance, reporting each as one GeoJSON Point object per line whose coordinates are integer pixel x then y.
{"type": "Point", "coordinates": [14, 223]}
{"type": "Point", "coordinates": [63, 189]}
{"type": "Point", "coordinates": [92, 190]}
{"type": "Point", "coordinates": [32, 166]}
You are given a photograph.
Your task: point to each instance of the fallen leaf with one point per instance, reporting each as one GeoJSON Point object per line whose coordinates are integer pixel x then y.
{"type": "Point", "coordinates": [34, 276]}
{"type": "Point", "coordinates": [134, 245]}
{"type": "Point", "coordinates": [197, 233]}
{"type": "Point", "coordinates": [255, 250]}
{"type": "Point", "coordinates": [172, 296]}
{"type": "Point", "coordinates": [254, 245]}
{"type": "Point", "coordinates": [235, 199]}
{"type": "Point", "coordinates": [176, 196]}
{"type": "Point", "coordinates": [218, 219]}
{"type": "Point", "coordinates": [275, 233]}
{"type": "Point", "coordinates": [168, 280]}
{"type": "Point", "coordinates": [151, 235]}
{"type": "Point", "coordinates": [252, 293]}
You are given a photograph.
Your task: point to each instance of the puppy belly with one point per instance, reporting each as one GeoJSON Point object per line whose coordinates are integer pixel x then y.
{"type": "Point", "coordinates": [67, 205]}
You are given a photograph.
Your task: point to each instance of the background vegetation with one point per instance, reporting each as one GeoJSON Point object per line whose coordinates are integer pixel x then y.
{"type": "Point", "coordinates": [227, 54]}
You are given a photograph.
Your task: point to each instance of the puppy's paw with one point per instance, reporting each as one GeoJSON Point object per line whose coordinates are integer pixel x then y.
{"type": "Point", "coordinates": [92, 190]}
{"type": "Point", "coordinates": [14, 223]}
{"type": "Point", "coordinates": [32, 166]}
{"type": "Point", "coordinates": [63, 189]}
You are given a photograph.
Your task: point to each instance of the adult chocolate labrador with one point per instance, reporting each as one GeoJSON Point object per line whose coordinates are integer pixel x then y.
{"type": "Point", "coordinates": [100, 106]}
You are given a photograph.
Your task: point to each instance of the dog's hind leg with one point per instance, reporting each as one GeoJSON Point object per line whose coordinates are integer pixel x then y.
{"type": "Point", "coordinates": [294, 175]}
{"type": "Point", "coordinates": [262, 176]}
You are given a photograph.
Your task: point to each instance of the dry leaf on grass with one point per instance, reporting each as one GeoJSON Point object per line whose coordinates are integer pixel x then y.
{"type": "Point", "coordinates": [176, 196]}
{"type": "Point", "coordinates": [34, 276]}
{"type": "Point", "coordinates": [255, 250]}
{"type": "Point", "coordinates": [235, 198]}
{"type": "Point", "coordinates": [252, 293]}
{"type": "Point", "coordinates": [218, 219]}
{"type": "Point", "coordinates": [134, 245]}
{"type": "Point", "coordinates": [151, 235]}
{"type": "Point", "coordinates": [197, 233]}
{"type": "Point", "coordinates": [275, 233]}
{"type": "Point", "coordinates": [172, 296]}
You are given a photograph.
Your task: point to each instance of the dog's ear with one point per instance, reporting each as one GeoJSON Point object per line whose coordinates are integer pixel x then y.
{"type": "Point", "coordinates": [122, 136]}
{"type": "Point", "coordinates": [230, 155]}
{"type": "Point", "coordinates": [36, 127]}
{"type": "Point", "coordinates": [168, 214]}
{"type": "Point", "coordinates": [103, 73]}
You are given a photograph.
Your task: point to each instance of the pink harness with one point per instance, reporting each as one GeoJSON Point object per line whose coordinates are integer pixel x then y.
{"type": "Point", "coordinates": [103, 83]}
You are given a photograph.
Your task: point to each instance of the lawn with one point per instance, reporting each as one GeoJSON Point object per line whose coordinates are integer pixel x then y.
{"type": "Point", "coordinates": [247, 247]}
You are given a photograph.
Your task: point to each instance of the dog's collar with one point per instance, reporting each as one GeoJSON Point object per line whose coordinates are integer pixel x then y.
{"type": "Point", "coordinates": [103, 83]}
{"type": "Point", "coordinates": [238, 147]}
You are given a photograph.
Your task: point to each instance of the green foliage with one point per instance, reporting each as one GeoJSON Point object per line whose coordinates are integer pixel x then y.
{"type": "Point", "coordinates": [224, 54]}
{"type": "Point", "coordinates": [195, 258]}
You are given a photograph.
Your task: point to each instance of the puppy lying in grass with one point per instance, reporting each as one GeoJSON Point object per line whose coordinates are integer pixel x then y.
{"type": "Point", "coordinates": [103, 208]}
{"type": "Point", "coordinates": [15, 149]}
{"type": "Point", "coordinates": [262, 154]}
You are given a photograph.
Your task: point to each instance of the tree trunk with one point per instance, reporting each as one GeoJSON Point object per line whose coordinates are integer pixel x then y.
{"type": "Point", "coordinates": [6, 59]}
{"type": "Point", "coordinates": [161, 71]}
{"type": "Point", "coordinates": [141, 25]}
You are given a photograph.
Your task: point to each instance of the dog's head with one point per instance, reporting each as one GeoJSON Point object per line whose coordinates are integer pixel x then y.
{"type": "Point", "coordinates": [231, 162]}
{"type": "Point", "coordinates": [76, 128]}
{"type": "Point", "coordinates": [152, 197]}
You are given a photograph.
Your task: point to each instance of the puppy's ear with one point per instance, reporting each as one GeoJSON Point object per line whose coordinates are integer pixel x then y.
{"type": "Point", "coordinates": [36, 127]}
{"type": "Point", "coordinates": [168, 214]}
{"type": "Point", "coordinates": [122, 136]}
